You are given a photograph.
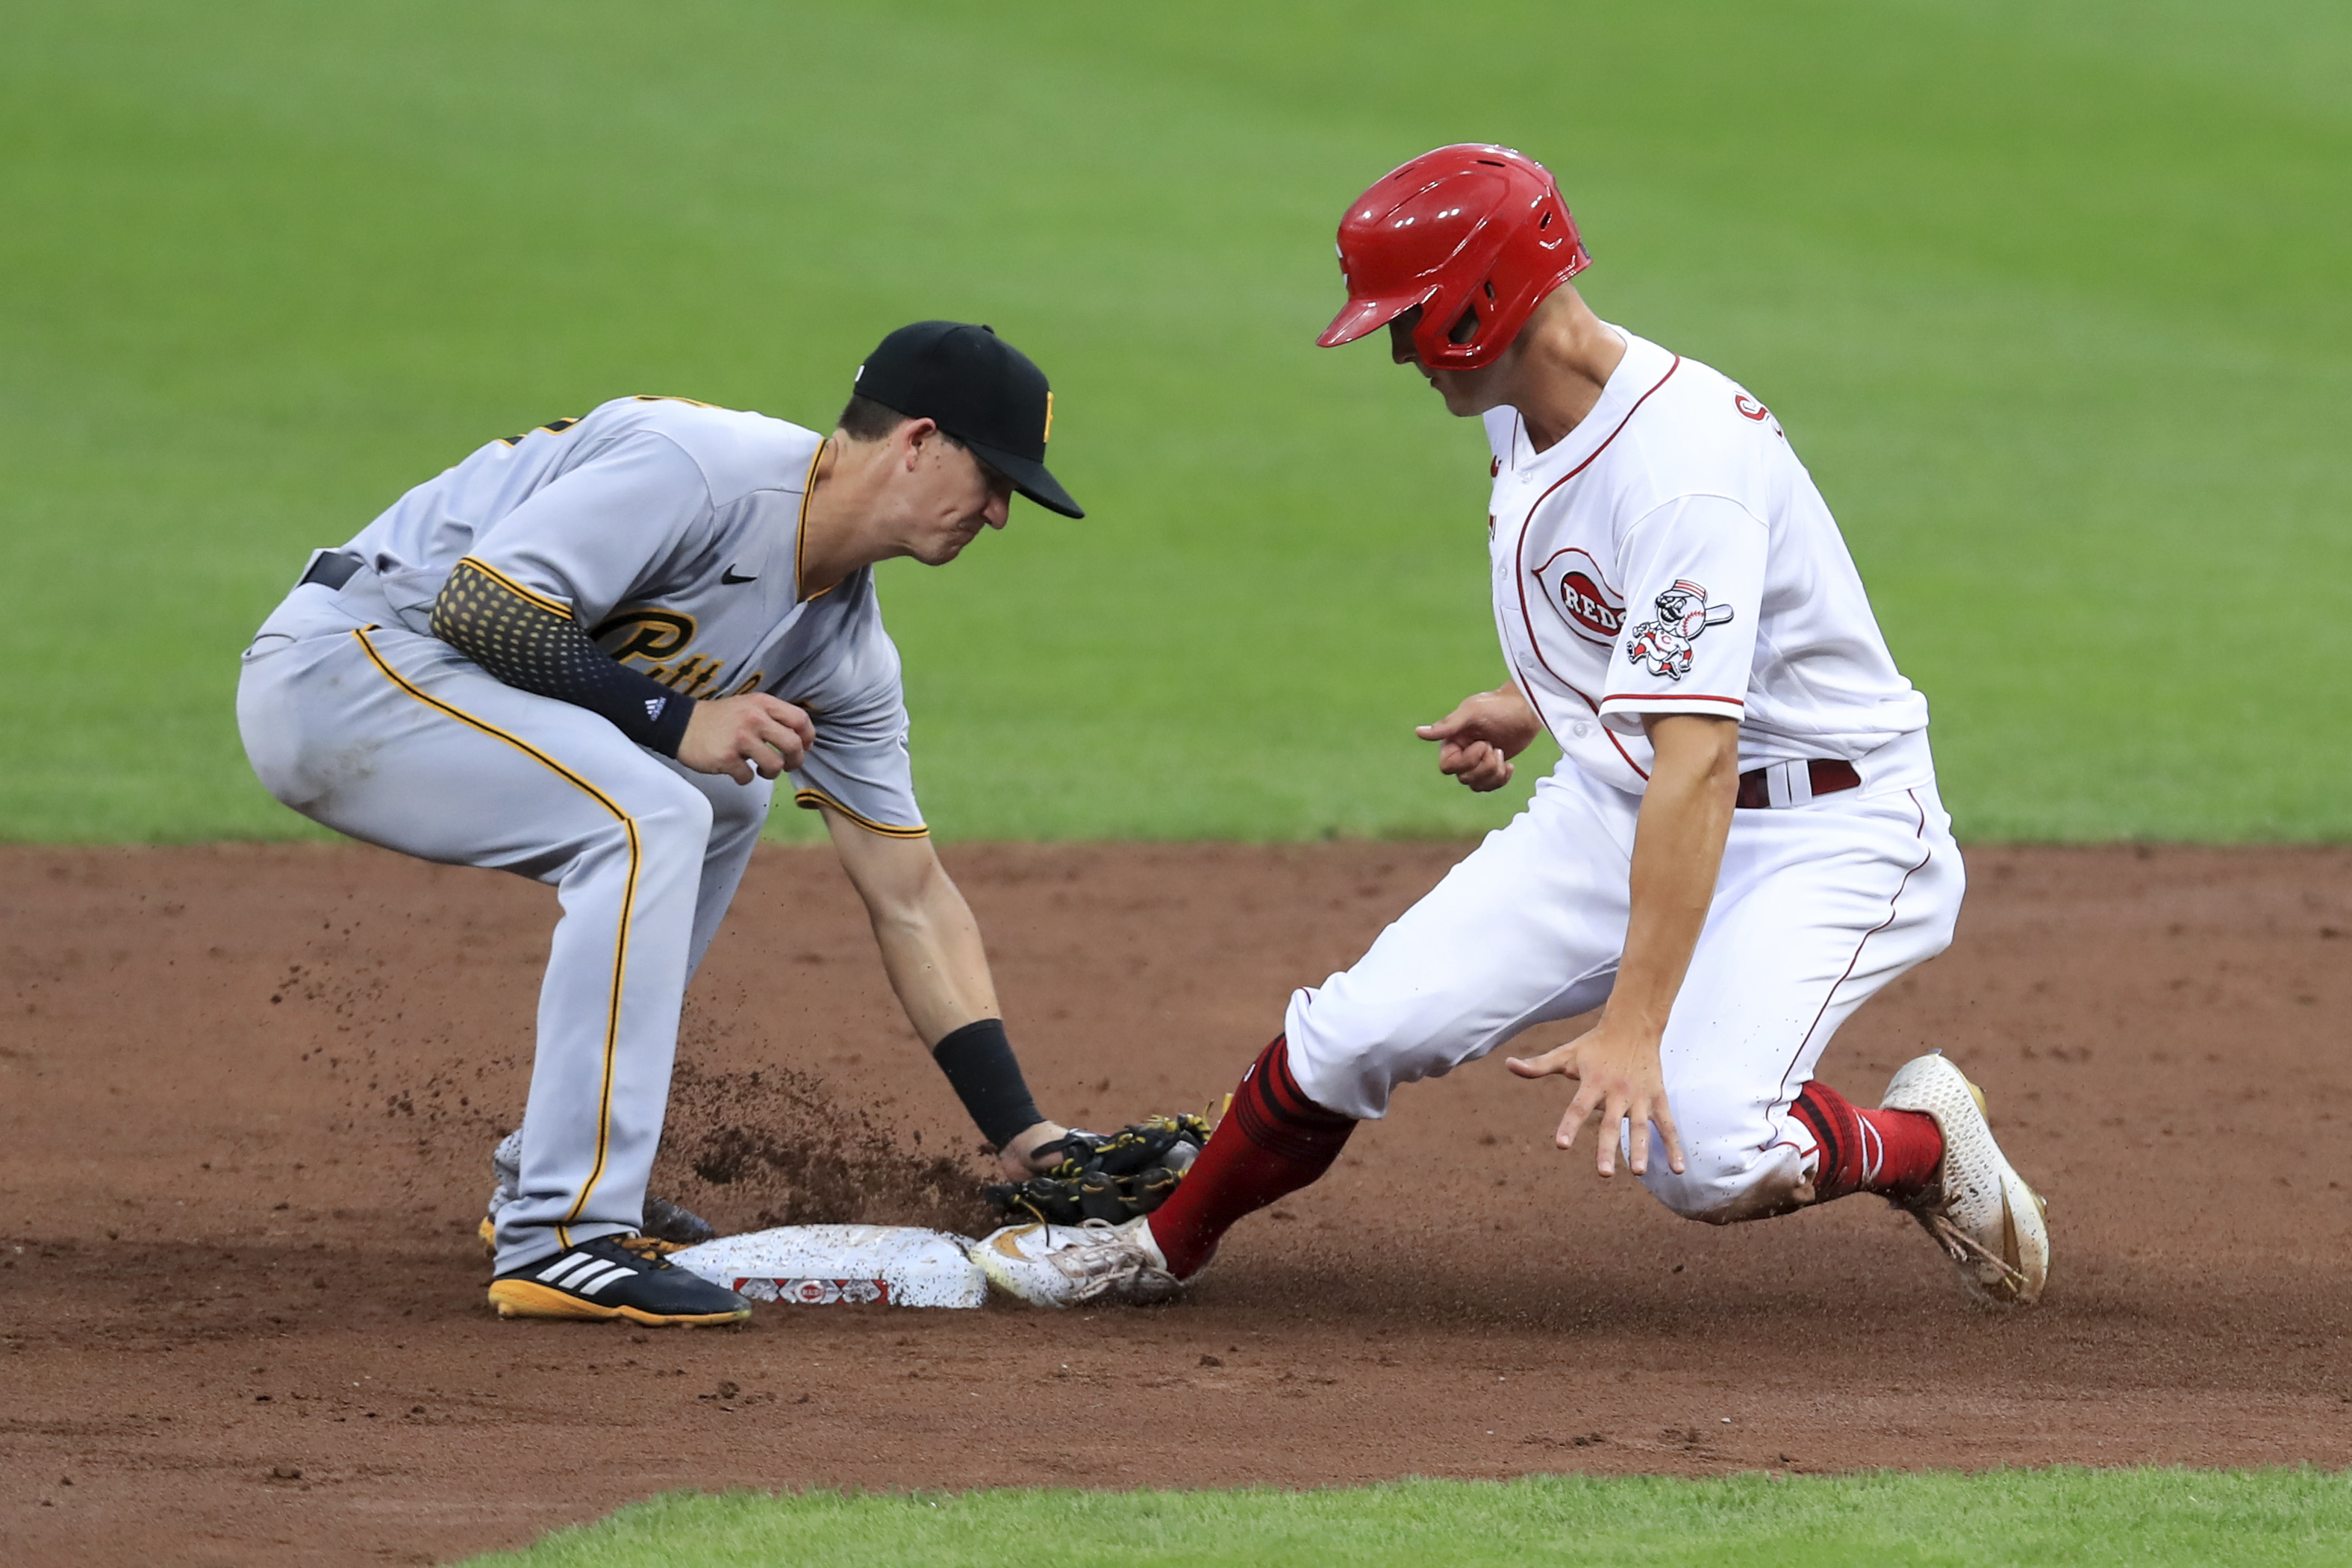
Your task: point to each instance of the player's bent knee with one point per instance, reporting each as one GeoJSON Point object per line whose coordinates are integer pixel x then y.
{"type": "Point", "coordinates": [663, 826]}
{"type": "Point", "coordinates": [681, 816]}
{"type": "Point", "coordinates": [1725, 1185]}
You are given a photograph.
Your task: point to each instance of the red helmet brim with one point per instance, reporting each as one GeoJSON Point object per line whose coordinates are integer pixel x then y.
{"type": "Point", "coordinates": [1358, 317]}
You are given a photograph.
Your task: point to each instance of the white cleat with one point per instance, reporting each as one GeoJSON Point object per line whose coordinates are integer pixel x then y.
{"type": "Point", "coordinates": [1076, 1265]}
{"type": "Point", "coordinates": [1981, 1212]}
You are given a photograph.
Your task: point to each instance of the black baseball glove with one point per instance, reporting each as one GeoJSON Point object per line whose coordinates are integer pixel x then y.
{"type": "Point", "coordinates": [1111, 1177]}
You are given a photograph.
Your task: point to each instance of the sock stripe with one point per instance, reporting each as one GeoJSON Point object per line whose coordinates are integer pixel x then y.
{"type": "Point", "coordinates": [1285, 1097]}
{"type": "Point", "coordinates": [1272, 1142]}
{"type": "Point", "coordinates": [1893, 1153]}
{"type": "Point", "coordinates": [1276, 1114]}
{"type": "Point", "coordinates": [1830, 1162]}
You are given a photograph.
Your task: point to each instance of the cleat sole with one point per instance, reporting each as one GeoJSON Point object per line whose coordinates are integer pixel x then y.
{"type": "Point", "coordinates": [528, 1299]}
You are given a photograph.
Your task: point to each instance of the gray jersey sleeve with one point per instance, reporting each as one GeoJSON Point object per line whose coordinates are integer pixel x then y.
{"type": "Point", "coordinates": [611, 528]}
{"type": "Point", "coordinates": [860, 765]}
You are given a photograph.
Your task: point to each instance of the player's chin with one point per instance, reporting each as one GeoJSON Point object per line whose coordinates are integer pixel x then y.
{"type": "Point", "coordinates": [1459, 403]}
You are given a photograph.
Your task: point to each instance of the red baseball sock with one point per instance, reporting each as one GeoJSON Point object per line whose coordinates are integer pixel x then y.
{"type": "Point", "coordinates": [1274, 1140]}
{"type": "Point", "coordinates": [1892, 1153]}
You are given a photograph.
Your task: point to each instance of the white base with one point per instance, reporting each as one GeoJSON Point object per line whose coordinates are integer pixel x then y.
{"type": "Point", "coordinates": [842, 1265]}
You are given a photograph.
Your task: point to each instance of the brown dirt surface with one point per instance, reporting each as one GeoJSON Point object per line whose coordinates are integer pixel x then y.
{"type": "Point", "coordinates": [248, 1096]}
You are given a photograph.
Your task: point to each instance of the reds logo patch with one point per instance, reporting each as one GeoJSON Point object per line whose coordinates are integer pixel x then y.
{"type": "Point", "coordinates": [1663, 646]}
{"type": "Point", "coordinates": [1572, 580]}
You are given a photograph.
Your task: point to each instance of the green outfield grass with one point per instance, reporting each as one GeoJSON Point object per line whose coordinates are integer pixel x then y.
{"type": "Point", "coordinates": [2148, 1518]}
{"type": "Point", "coordinates": [2053, 299]}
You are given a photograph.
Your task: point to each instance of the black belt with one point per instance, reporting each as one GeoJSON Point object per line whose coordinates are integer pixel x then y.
{"type": "Point", "coordinates": [1795, 785]}
{"type": "Point", "coordinates": [332, 566]}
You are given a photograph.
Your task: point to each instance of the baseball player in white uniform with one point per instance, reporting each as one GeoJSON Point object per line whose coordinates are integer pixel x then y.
{"type": "Point", "coordinates": [582, 654]}
{"type": "Point", "coordinates": [1742, 843]}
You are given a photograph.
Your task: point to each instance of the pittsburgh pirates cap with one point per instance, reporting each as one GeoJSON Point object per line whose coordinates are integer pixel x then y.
{"type": "Point", "coordinates": [977, 388]}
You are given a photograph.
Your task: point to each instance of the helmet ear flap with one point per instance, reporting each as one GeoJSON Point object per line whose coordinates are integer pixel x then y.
{"type": "Point", "coordinates": [1465, 326]}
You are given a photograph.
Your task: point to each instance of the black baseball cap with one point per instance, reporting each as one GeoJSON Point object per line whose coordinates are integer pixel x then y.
{"type": "Point", "coordinates": [977, 388]}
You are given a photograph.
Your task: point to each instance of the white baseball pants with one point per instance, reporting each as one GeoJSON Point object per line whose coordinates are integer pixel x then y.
{"type": "Point", "coordinates": [1816, 908]}
{"type": "Point", "coordinates": [396, 738]}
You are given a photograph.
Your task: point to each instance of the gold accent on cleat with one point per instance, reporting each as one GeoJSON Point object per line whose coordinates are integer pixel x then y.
{"type": "Point", "coordinates": [530, 1299]}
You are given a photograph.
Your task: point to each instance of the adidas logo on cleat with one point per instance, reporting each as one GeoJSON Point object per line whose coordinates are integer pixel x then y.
{"type": "Point", "coordinates": [615, 1278]}
{"type": "Point", "coordinates": [583, 1274]}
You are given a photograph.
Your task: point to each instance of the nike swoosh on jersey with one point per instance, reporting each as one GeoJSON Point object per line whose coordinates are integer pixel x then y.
{"type": "Point", "coordinates": [729, 576]}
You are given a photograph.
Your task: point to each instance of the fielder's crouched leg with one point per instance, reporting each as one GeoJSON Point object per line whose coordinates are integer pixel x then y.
{"type": "Point", "coordinates": [393, 737]}
{"type": "Point", "coordinates": [608, 1019]}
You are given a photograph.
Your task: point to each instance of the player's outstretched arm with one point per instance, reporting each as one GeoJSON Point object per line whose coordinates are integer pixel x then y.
{"type": "Point", "coordinates": [931, 950]}
{"type": "Point", "coordinates": [1476, 741]}
{"type": "Point", "coordinates": [1677, 852]}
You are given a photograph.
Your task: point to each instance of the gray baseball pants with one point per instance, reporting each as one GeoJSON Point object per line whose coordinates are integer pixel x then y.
{"type": "Point", "coordinates": [394, 737]}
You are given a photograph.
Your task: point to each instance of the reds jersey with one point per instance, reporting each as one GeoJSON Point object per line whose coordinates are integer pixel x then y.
{"type": "Point", "coordinates": [671, 531]}
{"type": "Point", "coordinates": [1671, 555]}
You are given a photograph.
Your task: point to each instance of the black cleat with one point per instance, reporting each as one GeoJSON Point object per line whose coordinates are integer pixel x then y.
{"type": "Point", "coordinates": [614, 1277]}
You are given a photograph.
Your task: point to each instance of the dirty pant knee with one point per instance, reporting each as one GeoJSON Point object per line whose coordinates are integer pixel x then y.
{"type": "Point", "coordinates": [1725, 1181]}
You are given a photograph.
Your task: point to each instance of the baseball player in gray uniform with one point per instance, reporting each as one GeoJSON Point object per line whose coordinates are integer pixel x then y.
{"type": "Point", "coordinates": [582, 656]}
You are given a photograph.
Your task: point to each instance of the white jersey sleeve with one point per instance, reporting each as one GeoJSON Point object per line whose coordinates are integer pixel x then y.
{"type": "Point", "coordinates": [607, 530]}
{"type": "Point", "coordinates": [1694, 575]}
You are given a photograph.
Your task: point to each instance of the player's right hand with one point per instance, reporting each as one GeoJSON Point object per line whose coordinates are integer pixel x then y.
{"type": "Point", "coordinates": [1477, 740]}
{"type": "Point", "coordinates": [739, 737]}
{"type": "Point", "coordinates": [1618, 1074]}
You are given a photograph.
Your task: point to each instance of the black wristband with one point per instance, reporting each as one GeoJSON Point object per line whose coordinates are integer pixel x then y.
{"type": "Point", "coordinates": [981, 1069]}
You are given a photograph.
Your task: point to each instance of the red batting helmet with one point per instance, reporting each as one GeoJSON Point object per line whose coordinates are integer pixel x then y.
{"type": "Point", "coordinates": [1475, 236]}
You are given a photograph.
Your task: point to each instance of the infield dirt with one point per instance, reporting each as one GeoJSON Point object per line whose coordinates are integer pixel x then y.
{"type": "Point", "coordinates": [248, 1096]}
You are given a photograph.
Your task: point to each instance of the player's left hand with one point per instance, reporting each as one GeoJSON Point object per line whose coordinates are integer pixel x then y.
{"type": "Point", "coordinates": [744, 735]}
{"type": "Point", "coordinates": [1019, 1159]}
{"type": "Point", "coordinates": [1618, 1074]}
{"type": "Point", "coordinates": [1476, 741]}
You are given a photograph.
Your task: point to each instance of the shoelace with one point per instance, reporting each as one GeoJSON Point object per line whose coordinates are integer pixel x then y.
{"type": "Point", "coordinates": [1965, 1248]}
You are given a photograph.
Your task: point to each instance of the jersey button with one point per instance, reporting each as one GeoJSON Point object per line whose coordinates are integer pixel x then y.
{"type": "Point", "coordinates": [1580, 730]}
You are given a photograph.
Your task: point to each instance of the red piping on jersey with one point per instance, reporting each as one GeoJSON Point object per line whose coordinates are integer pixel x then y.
{"type": "Point", "coordinates": [1519, 566]}
{"type": "Point", "coordinates": [1672, 698]}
